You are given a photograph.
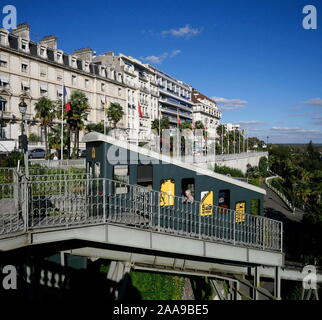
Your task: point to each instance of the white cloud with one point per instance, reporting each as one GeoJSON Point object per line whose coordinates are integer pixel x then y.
{"type": "Point", "coordinates": [185, 31]}
{"type": "Point", "coordinates": [314, 102]}
{"type": "Point", "coordinates": [174, 53]}
{"type": "Point", "coordinates": [229, 104]}
{"type": "Point", "coordinates": [250, 123]}
{"type": "Point", "coordinates": [294, 130]}
{"type": "Point", "coordinates": [159, 59]}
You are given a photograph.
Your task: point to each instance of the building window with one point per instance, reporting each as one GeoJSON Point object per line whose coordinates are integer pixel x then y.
{"type": "Point", "coordinates": [119, 92]}
{"type": "Point", "coordinates": [3, 104]}
{"type": "Point", "coordinates": [24, 45]}
{"type": "Point", "coordinates": [86, 83]}
{"type": "Point", "coordinates": [42, 52]}
{"type": "Point", "coordinates": [59, 77]}
{"type": "Point", "coordinates": [43, 89]}
{"type": "Point", "coordinates": [4, 82]}
{"type": "Point", "coordinates": [43, 72]}
{"type": "Point", "coordinates": [59, 93]}
{"type": "Point", "coordinates": [3, 60]}
{"type": "Point", "coordinates": [103, 87]}
{"type": "Point", "coordinates": [24, 67]}
{"type": "Point", "coordinates": [25, 87]}
{"type": "Point", "coordinates": [59, 57]}
{"type": "Point", "coordinates": [74, 80]}
{"type": "Point", "coordinates": [74, 62]}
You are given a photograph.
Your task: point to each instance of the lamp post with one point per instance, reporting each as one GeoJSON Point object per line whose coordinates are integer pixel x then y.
{"type": "Point", "coordinates": [23, 142]}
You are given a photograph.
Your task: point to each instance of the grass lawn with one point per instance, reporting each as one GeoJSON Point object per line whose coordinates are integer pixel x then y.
{"type": "Point", "coordinates": [155, 286]}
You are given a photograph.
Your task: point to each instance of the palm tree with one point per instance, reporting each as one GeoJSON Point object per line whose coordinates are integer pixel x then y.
{"type": "Point", "coordinates": [115, 113]}
{"type": "Point", "coordinates": [160, 124]}
{"type": "Point", "coordinates": [186, 125]}
{"type": "Point", "coordinates": [76, 116]}
{"type": "Point", "coordinates": [45, 112]}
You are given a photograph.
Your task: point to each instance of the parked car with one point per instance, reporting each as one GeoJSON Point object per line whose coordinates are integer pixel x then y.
{"type": "Point", "coordinates": [83, 154]}
{"type": "Point", "coordinates": [37, 153]}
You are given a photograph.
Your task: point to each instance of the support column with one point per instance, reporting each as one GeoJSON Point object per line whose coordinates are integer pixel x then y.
{"type": "Point", "coordinates": [277, 283]}
{"type": "Point", "coordinates": [116, 273]}
{"type": "Point", "coordinates": [256, 283]}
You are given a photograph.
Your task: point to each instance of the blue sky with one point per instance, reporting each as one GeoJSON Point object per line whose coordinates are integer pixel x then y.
{"type": "Point", "coordinates": [254, 56]}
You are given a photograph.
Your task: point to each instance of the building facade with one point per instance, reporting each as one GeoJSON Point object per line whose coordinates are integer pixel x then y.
{"type": "Point", "coordinates": [33, 70]}
{"type": "Point", "coordinates": [205, 110]}
{"type": "Point", "coordinates": [142, 94]}
{"type": "Point", "coordinates": [175, 98]}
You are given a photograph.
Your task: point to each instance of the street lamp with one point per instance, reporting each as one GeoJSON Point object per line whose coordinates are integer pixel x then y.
{"type": "Point", "coordinates": [23, 142]}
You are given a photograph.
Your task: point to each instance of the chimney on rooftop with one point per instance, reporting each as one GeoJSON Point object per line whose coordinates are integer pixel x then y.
{"type": "Point", "coordinates": [23, 31]}
{"type": "Point", "coordinates": [49, 41]}
{"type": "Point", "coordinates": [84, 54]}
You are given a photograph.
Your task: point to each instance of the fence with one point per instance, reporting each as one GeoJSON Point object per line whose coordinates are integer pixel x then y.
{"type": "Point", "coordinates": [280, 194]}
{"type": "Point", "coordinates": [64, 201]}
{"type": "Point", "coordinates": [75, 163]}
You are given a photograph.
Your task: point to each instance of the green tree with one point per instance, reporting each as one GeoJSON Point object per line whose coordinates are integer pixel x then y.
{"type": "Point", "coordinates": [161, 124]}
{"type": "Point", "coordinates": [45, 112]}
{"type": "Point", "coordinates": [76, 117]}
{"type": "Point", "coordinates": [263, 166]}
{"type": "Point", "coordinates": [199, 125]}
{"type": "Point", "coordinates": [54, 138]}
{"type": "Point", "coordinates": [97, 127]}
{"type": "Point", "coordinates": [114, 113]}
{"type": "Point", "coordinates": [185, 125]}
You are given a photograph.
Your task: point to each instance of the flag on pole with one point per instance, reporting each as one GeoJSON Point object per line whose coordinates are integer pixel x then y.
{"type": "Point", "coordinates": [67, 104]}
{"type": "Point", "coordinates": [140, 111]}
{"type": "Point", "coordinates": [178, 119]}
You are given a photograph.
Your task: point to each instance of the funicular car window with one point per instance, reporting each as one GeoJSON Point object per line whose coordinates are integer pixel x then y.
{"type": "Point", "coordinates": [121, 174]}
{"type": "Point", "coordinates": [224, 199]}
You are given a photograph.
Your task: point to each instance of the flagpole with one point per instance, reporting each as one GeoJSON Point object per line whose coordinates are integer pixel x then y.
{"type": "Point", "coordinates": [62, 126]}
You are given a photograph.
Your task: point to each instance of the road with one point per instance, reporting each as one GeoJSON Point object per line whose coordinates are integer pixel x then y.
{"type": "Point", "coordinates": [272, 202]}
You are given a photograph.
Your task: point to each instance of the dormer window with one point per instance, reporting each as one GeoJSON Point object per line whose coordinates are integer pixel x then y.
{"type": "Point", "coordinates": [43, 52]}
{"type": "Point", "coordinates": [74, 62]}
{"type": "Point", "coordinates": [4, 38]}
{"type": "Point", "coordinates": [24, 45]}
{"type": "Point", "coordinates": [102, 71]}
{"type": "Point", "coordinates": [59, 57]}
{"type": "Point", "coordinates": [86, 66]}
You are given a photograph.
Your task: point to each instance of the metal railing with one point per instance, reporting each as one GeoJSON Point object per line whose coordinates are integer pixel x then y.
{"type": "Point", "coordinates": [76, 163]}
{"type": "Point", "coordinates": [64, 201]}
{"type": "Point", "coordinates": [280, 194]}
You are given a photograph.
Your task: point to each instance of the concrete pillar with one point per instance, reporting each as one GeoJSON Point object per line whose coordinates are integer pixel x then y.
{"type": "Point", "coordinates": [277, 283]}
{"type": "Point", "coordinates": [256, 283]}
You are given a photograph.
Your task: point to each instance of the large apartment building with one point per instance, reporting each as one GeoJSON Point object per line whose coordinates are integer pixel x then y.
{"type": "Point", "coordinates": [32, 70]}
{"type": "Point", "coordinates": [205, 110]}
{"type": "Point", "coordinates": [175, 98]}
{"type": "Point", "coordinates": [142, 94]}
